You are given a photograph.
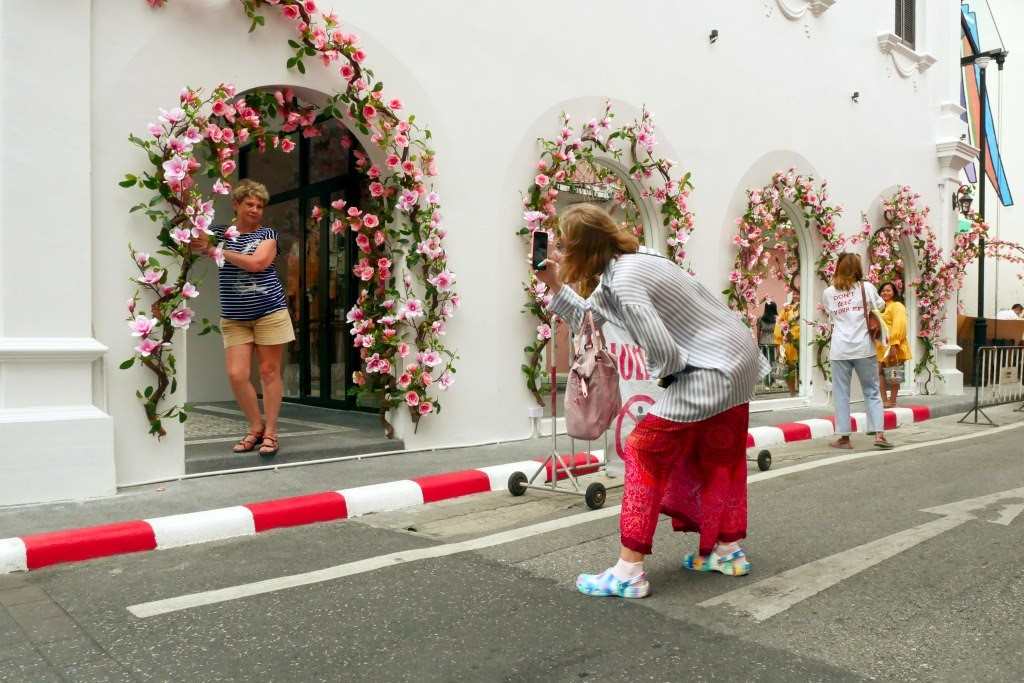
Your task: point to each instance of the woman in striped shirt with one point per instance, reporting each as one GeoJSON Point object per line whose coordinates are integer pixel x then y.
{"type": "Point", "coordinates": [687, 458]}
{"type": "Point", "coordinates": [254, 313]}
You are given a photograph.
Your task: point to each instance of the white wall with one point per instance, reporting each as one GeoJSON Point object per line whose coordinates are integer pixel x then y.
{"type": "Point", "coordinates": [489, 78]}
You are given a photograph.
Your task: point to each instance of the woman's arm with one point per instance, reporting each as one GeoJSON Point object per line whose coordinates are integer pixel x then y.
{"type": "Point", "coordinates": [256, 262]}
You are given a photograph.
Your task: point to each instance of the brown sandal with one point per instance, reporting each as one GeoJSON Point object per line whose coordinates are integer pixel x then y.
{"type": "Point", "coordinates": [270, 446]}
{"type": "Point", "coordinates": [248, 443]}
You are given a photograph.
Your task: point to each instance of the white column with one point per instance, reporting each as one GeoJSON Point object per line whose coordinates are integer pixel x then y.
{"type": "Point", "coordinates": [55, 443]}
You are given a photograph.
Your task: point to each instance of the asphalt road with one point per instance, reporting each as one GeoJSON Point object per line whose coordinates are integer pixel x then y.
{"type": "Point", "coordinates": [852, 580]}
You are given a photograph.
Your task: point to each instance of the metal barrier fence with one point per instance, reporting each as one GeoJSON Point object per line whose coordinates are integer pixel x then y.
{"type": "Point", "coordinates": [998, 378]}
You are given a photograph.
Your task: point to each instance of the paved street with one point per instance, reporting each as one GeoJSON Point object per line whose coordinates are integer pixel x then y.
{"type": "Point", "coordinates": [896, 566]}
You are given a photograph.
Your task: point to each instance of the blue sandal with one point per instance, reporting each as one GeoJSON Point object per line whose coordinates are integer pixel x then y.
{"type": "Point", "coordinates": [733, 564]}
{"type": "Point", "coordinates": [606, 585]}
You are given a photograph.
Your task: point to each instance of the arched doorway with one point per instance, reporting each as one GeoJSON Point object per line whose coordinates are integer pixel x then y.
{"type": "Point", "coordinates": [315, 265]}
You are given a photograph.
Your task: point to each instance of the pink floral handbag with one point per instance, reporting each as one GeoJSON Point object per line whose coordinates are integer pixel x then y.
{"type": "Point", "coordinates": [592, 398]}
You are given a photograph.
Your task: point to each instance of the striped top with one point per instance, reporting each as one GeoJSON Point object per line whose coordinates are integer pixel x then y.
{"type": "Point", "coordinates": [245, 295]}
{"type": "Point", "coordinates": [684, 329]}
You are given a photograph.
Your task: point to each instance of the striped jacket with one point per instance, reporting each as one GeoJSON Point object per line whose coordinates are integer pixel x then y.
{"type": "Point", "coordinates": [684, 329]}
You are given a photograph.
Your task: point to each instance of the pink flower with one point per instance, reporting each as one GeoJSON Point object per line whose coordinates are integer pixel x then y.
{"type": "Point", "coordinates": [218, 255]}
{"type": "Point", "coordinates": [147, 346]}
{"type": "Point", "coordinates": [358, 56]}
{"type": "Point", "coordinates": [338, 204]}
{"type": "Point", "coordinates": [156, 4]}
{"type": "Point", "coordinates": [141, 258]}
{"type": "Point", "coordinates": [395, 104]}
{"type": "Point", "coordinates": [181, 235]}
{"type": "Point", "coordinates": [404, 380]}
{"type": "Point", "coordinates": [287, 145]}
{"type": "Point", "coordinates": [443, 280]}
{"type": "Point", "coordinates": [227, 167]}
{"type": "Point", "coordinates": [425, 408]}
{"type": "Point", "coordinates": [221, 187]}
{"type": "Point", "coordinates": [393, 160]}
{"type": "Point", "coordinates": [403, 350]}
{"type": "Point", "coordinates": [189, 291]}
{"type": "Point", "coordinates": [369, 112]}
{"type": "Point", "coordinates": [317, 213]}
{"type": "Point", "coordinates": [310, 6]}
{"type": "Point", "coordinates": [151, 276]}
{"type": "Point", "coordinates": [176, 115]}
{"type": "Point", "coordinates": [541, 180]}
{"type": "Point", "coordinates": [363, 242]}
{"type": "Point", "coordinates": [412, 399]}
{"type": "Point", "coordinates": [543, 332]}
{"type": "Point", "coordinates": [181, 317]}
{"type": "Point", "coordinates": [348, 72]}
{"type": "Point", "coordinates": [142, 326]}
{"type": "Point", "coordinates": [232, 233]}
{"type": "Point", "coordinates": [371, 221]}
{"type": "Point", "coordinates": [431, 359]}
{"type": "Point", "coordinates": [155, 130]}
{"type": "Point", "coordinates": [175, 168]}
{"type": "Point", "coordinates": [411, 310]}
{"type": "Point", "coordinates": [290, 12]}
{"type": "Point", "coordinates": [376, 189]}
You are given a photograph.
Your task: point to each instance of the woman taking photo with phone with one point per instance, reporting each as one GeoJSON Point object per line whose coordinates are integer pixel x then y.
{"type": "Point", "coordinates": [687, 457]}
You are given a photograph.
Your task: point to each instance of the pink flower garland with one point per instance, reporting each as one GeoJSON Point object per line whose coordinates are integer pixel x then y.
{"type": "Point", "coordinates": [560, 159]}
{"type": "Point", "coordinates": [766, 240]}
{"type": "Point", "coordinates": [397, 328]}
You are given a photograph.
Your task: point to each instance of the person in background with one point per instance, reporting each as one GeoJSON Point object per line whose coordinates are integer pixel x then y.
{"type": "Point", "coordinates": [687, 457]}
{"type": "Point", "coordinates": [1015, 312]}
{"type": "Point", "coordinates": [892, 359]}
{"type": "Point", "coordinates": [254, 313]}
{"type": "Point", "coordinates": [852, 348]}
{"type": "Point", "coordinates": [787, 338]}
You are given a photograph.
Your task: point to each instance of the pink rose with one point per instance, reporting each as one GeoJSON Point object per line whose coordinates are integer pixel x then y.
{"type": "Point", "coordinates": [227, 167]}
{"type": "Point", "coordinates": [189, 291]}
{"type": "Point", "coordinates": [412, 399]}
{"type": "Point", "coordinates": [541, 180]}
{"type": "Point", "coordinates": [371, 221]}
{"type": "Point", "coordinates": [348, 72]}
{"type": "Point", "coordinates": [287, 145]}
{"type": "Point", "coordinates": [395, 104]}
{"type": "Point", "coordinates": [403, 350]}
{"type": "Point", "coordinates": [425, 408]}
{"type": "Point", "coordinates": [290, 12]}
{"type": "Point", "coordinates": [369, 112]}
{"type": "Point", "coordinates": [376, 189]}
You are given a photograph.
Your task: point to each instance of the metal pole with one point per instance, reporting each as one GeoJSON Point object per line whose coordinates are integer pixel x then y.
{"type": "Point", "coordinates": [980, 324]}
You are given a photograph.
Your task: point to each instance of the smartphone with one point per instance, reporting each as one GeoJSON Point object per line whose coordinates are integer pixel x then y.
{"type": "Point", "coordinates": [540, 249]}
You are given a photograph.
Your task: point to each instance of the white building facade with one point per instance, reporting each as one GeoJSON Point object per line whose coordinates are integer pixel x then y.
{"type": "Point", "coordinates": [774, 90]}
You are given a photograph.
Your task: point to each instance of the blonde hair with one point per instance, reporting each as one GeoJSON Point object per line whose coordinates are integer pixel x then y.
{"type": "Point", "coordinates": [590, 239]}
{"type": "Point", "coordinates": [250, 188]}
{"type": "Point", "coordinates": [848, 271]}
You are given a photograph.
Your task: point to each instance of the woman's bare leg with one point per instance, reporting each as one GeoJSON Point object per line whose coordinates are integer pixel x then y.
{"type": "Point", "coordinates": [238, 361]}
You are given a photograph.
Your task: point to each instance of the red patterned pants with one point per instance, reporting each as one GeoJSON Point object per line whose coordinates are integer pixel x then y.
{"type": "Point", "coordinates": [694, 472]}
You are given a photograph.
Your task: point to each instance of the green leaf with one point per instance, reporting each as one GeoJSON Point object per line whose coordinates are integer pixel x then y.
{"type": "Point", "coordinates": [148, 392]}
{"type": "Point", "coordinates": [174, 385]}
{"type": "Point", "coordinates": [291, 62]}
{"type": "Point", "coordinates": [310, 51]}
{"type": "Point", "coordinates": [301, 67]}
{"type": "Point", "coordinates": [128, 363]}
{"type": "Point", "coordinates": [129, 180]}
{"type": "Point", "coordinates": [293, 44]}
{"type": "Point", "coordinates": [182, 417]}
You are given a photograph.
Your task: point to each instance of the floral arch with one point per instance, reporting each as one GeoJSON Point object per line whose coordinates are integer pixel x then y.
{"type": "Point", "coordinates": [616, 166]}
{"type": "Point", "coordinates": [406, 294]}
{"type": "Point", "coordinates": [769, 244]}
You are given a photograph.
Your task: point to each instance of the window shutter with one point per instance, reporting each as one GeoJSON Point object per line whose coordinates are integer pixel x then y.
{"type": "Point", "coordinates": [909, 21]}
{"type": "Point", "coordinates": [906, 20]}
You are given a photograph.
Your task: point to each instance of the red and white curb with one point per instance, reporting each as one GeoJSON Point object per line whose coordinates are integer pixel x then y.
{"type": "Point", "coordinates": [40, 550]}
{"type": "Point", "coordinates": [802, 430]}
{"type": "Point", "coordinates": [73, 545]}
